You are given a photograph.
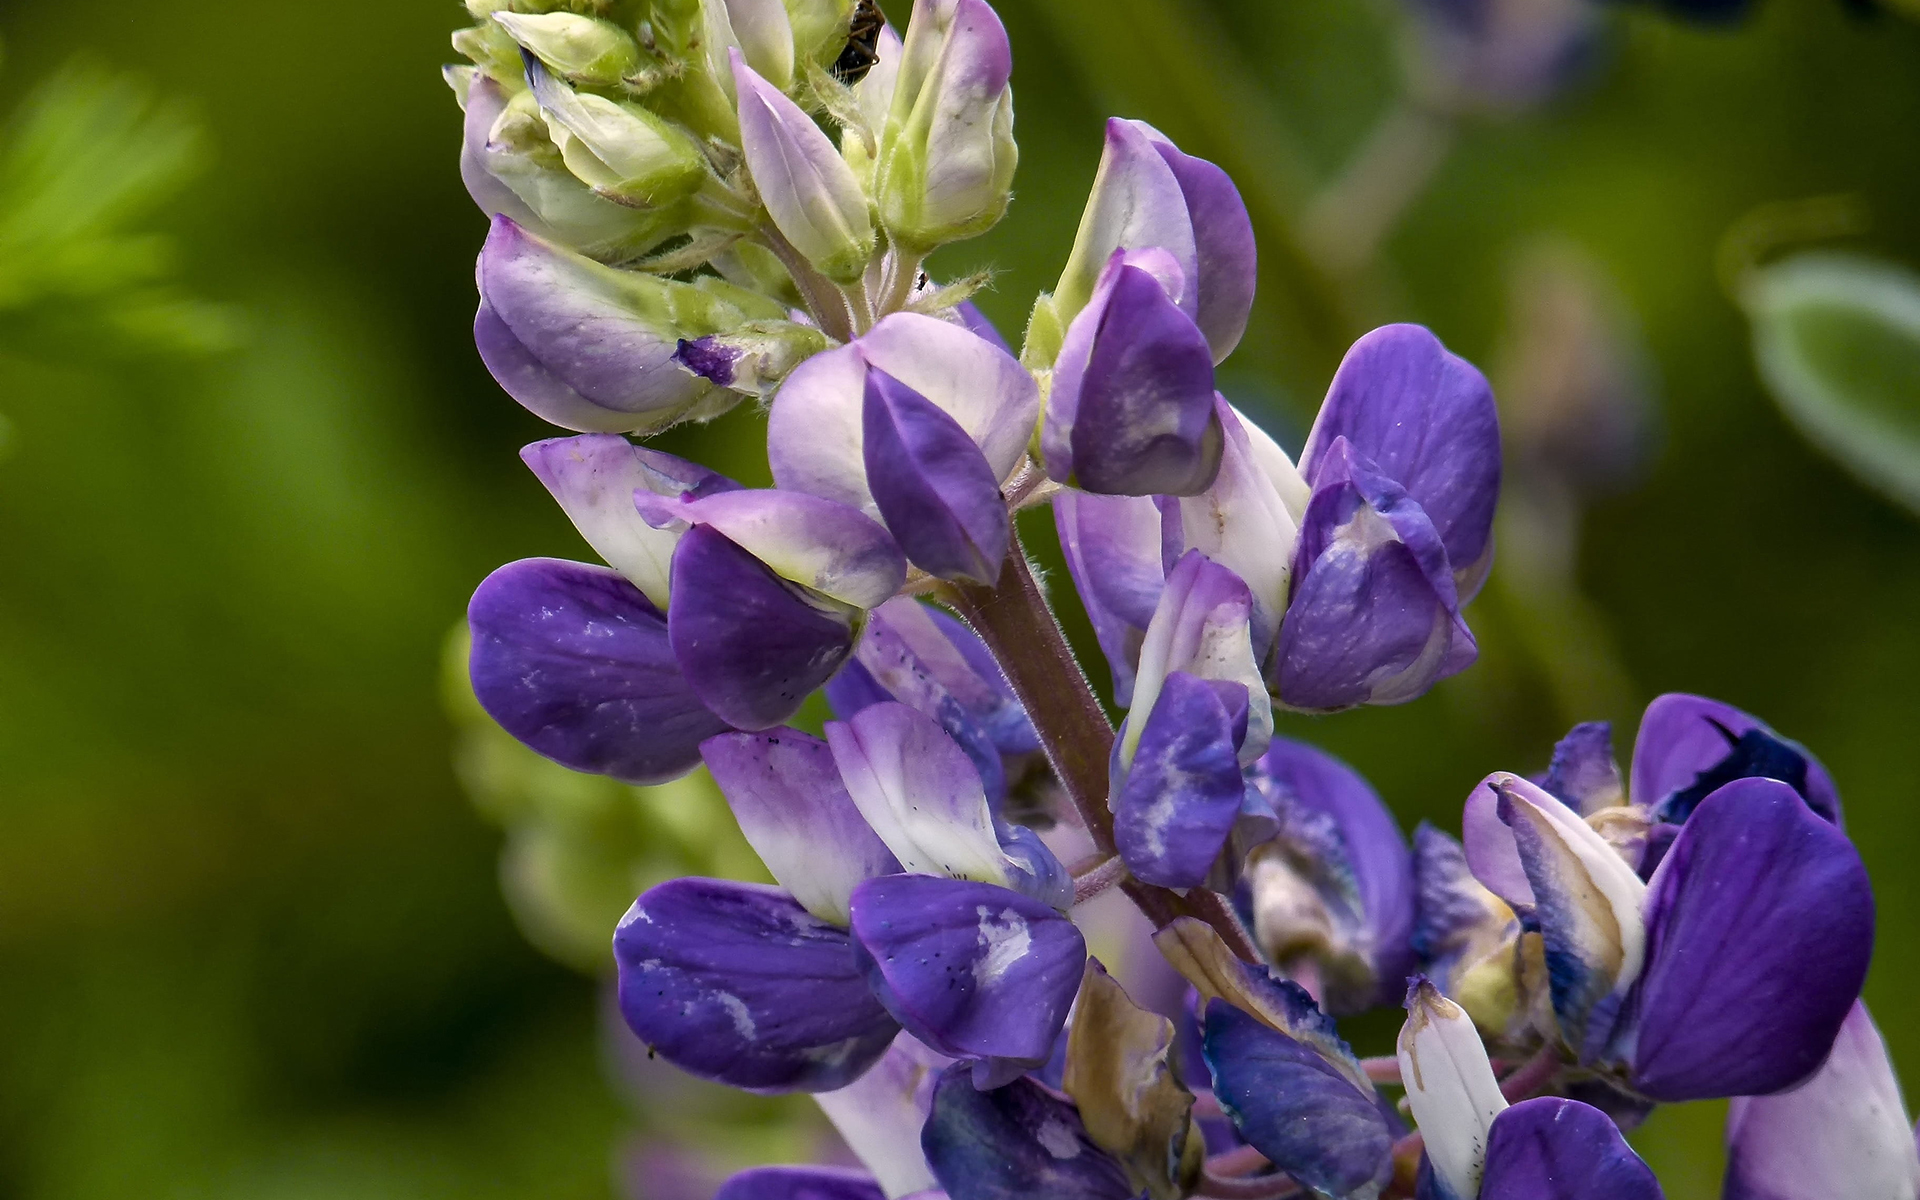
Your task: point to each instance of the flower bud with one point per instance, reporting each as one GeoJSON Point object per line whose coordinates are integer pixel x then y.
{"type": "Point", "coordinates": [621, 151]}
{"type": "Point", "coordinates": [809, 191]}
{"type": "Point", "coordinates": [947, 157]}
{"type": "Point", "coordinates": [760, 31]}
{"type": "Point", "coordinates": [583, 49]}
{"type": "Point", "coordinates": [1450, 1087]}
{"type": "Point", "coordinates": [590, 348]}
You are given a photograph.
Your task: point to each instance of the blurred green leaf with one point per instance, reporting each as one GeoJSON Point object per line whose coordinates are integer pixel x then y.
{"type": "Point", "coordinates": [1838, 342]}
{"type": "Point", "coordinates": [89, 156]}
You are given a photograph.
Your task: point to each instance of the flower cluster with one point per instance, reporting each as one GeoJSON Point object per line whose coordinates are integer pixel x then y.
{"type": "Point", "coordinates": [675, 230]}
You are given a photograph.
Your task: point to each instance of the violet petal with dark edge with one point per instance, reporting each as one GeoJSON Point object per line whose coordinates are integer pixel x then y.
{"type": "Point", "coordinates": [575, 661]}
{"type": "Point", "coordinates": [737, 984]}
{"type": "Point", "coordinates": [800, 1183]}
{"type": "Point", "coordinates": [1691, 744]}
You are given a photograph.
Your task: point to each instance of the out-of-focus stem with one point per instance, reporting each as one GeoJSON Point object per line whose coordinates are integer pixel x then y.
{"type": "Point", "coordinates": [1345, 225]}
{"type": "Point", "coordinates": [1230, 1177]}
{"type": "Point", "coordinates": [1381, 1070]}
{"type": "Point", "coordinates": [1534, 1075]}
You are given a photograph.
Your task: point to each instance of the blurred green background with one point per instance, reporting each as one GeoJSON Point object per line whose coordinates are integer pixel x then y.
{"type": "Point", "coordinates": [252, 937]}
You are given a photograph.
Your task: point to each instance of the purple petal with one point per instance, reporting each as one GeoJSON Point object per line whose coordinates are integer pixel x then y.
{"type": "Point", "coordinates": [1689, 746]}
{"type": "Point", "coordinates": [1112, 545]}
{"type": "Point", "coordinates": [1019, 1142]}
{"type": "Point", "coordinates": [1374, 617]}
{"type": "Point", "coordinates": [1293, 1106]}
{"type": "Point", "coordinates": [752, 646]}
{"type": "Point", "coordinates": [800, 1183]}
{"type": "Point", "coordinates": [1554, 1149]}
{"type": "Point", "coordinates": [485, 102]}
{"type": "Point", "coordinates": [1459, 921]}
{"type": "Point", "coordinates": [814, 432]}
{"type": "Point", "coordinates": [1131, 409]}
{"type": "Point", "coordinates": [561, 336]}
{"type": "Point", "coordinates": [1491, 850]}
{"type": "Point", "coordinates": [594, 477]}
{"type": "Point", "coordinates": [973, 970]}
{"type": "Point", "coordinates": [1427, 418]}
{"type": "Point", "coordinates": [1183, 791]}
{"type": "Point", "coordinates": [1843, 1132]}
{"type": "Point", "coordinates": [934, 488]}
{"type": "Point", "coordinates": [1375, 851]}
{"type": "Point", "coordinates": [1136, 204]}
{"type": "Point", "coordinates": [737, 984]}
{"type": "Point", "coordinates": [1583, 773]}
{"type": "Point", "coordinates": [1760, 928]}
{"type": "Point", "coordinates": [995, 705]}
{"type": "Point", "coordinates": [822, 545]}
{"type": "Point", "coordinates": [1223, 242]}
{"type": "Point", "coordinates": [794, 811]}
{"type": "Point", "coordinates": [574, 661]}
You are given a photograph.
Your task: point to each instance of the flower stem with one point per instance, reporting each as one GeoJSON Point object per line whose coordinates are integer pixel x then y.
{"type": "Point", "coordinates": [1381, 1070]}
{"type": "Point", "coordinates": [1229, 1176]}
{"type": "Point", "coordinates": [1532, 1076]}
{"type": "Point", "coordinates": [1095, 882]}
{"type": "Point", "coordinates": [1017, 625]}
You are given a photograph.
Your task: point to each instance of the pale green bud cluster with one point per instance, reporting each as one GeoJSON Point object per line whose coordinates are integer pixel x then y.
{"type": "Point", "coordinates": [619, 129]}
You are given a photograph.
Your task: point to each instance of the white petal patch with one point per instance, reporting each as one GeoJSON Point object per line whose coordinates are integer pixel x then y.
{"type": "Point", "coordinates": [1004, 941]}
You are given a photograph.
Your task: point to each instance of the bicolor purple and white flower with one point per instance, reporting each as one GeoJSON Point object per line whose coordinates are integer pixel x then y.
{"type": "Point", "coordinates": [725, 608]}
{"type": "Point", "coordinates": [935, 916]}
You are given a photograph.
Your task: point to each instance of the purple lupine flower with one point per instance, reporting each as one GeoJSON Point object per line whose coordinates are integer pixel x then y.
{"type": "Point", "coordinates": [880, 1115]}
{"type": "Point", "coordinates": [1404, 467]}
{"type": "Point", "coordinates": [800, 1183]}
{"type": "Point", "coordinates": [1844, 1132]}
{"type": "Point", "coordinates": [937, 492]}
{"type": "Point", "coordinates": [1689, 745]}
{"type": "Point", "coordinates": [1334, 888]}
{"type": "Point", "coordinates": [590, 348]}
{"type": "Point", "coordinates": [1478, 1147]}
{"type": "Point", "coordinates": [736, 604]}
{"type": "Point", "coordinates": [1729, 973]}
{"type": "Point", "coordinates": [1199, 715]}
{"type": "Point", "coordinates": [884, 830]}
{"type": "Point", "coordinates": [1469, 940]}
{"type": "Point", "coordinates": [924, 658]}
{"type": "Point", "coordinates": [1114, 551]}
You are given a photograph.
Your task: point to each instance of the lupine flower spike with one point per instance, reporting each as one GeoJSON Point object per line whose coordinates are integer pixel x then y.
{"type": "Point", "coordinates": [698, 202]}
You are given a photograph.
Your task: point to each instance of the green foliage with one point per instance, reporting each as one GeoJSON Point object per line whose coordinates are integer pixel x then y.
{"type": "Point", "coordinates": [1838, 343]}
{"type": "Point", "coordinates": [85, 161]}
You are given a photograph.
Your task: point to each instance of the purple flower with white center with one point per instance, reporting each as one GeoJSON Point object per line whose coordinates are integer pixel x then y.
{"type": "Point", "coordinates": [736, 604]}
{"type": "Point", "coordinates": [1728, 973]}
{"type": "Point", "coordinates": [1844, 1132]}
{"type": "Point", "coordinates": [1157, 291]}
{"type": "Point", "coordinates": [1404, 467]}
{"type": "Point", "coordinates": [591, 348]}
{"type": "Point", "coordinates": [1331, 895]}
{"type": "Point", "coordinates": [880, 1115]}
{"type": "Point", "coordinates": [1478, 1147]}
{"type": "Point", "coordinates": [950, 414]}
{"type": "Point", "coordinates": [1199, 715]}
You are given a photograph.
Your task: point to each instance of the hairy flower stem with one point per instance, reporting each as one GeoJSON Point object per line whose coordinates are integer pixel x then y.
{"type": "Point", "coordinates": [1532, 1077]}
{"type": "Point", "coordinates": [1015, 621]}
{"type": "Point", "coordinates": [1095, 882]}
{"type": "Point", "coordinates": [823, 299]}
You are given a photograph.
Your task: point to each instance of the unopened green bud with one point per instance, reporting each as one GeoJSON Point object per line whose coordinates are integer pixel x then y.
{"type": "Point", "coordinates": [948, 156]}
{"type": "Point", "coordinates": [621, 151]}
{"type": "Point", "coordinates": [488, 47]}
{"type": "Point", "coordinates": [583, 49]}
